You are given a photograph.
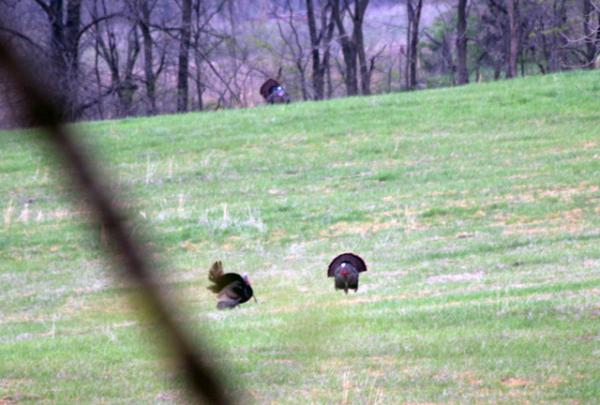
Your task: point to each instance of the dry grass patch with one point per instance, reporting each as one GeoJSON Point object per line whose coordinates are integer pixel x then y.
{"type": "Point", "coordinates": [514, 382]}
{"type": "Point", "coordinates": [569, 222]}
{"type": "Point", "coordinates": [399, 219]}
{"type": "Point", "coordinates": [455, 278]}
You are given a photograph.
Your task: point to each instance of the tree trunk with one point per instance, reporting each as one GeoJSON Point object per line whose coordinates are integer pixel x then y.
{"type": "Point", "coordinates": [407, 55]}
{"type": "Point", "coordinates": [184, 52]}
{"type": "Point", "coordinates": [98, 76]}
{"type": "Point", "coordinates": [348, 51]}
{"type": "Point", "coordinates": [350, 60]}
{"type": "Point", "coordinates": [71, 55]}
{"type": "Point", "coordinates": [319, 38]}
{"type": "Point", "coordinates": [318, 76]}
{"type": "Point", "coordinates": [64, 40]}
{"type": "Point", "coordinates": [360, 7]}
{"type": "Point", "coordinates": [328, 27]}
{"type": "Point", "coordinates": [127, 87]}
{"type": "Point", "coordinates": [200, 88]}
{"type": "Point", "coordinates": [414, 17]}
{"type": "Point", "coordinates": [461, 42]}
{"type": "Point", "coordinates": [302, 74]}
{"type": "Point", "coordinates": [329, 79]}
{"type": "Point", "coordinates": [590, 36]}
{"type": "Point", "coordinates": [559, 40]}
{"type": "Point", "coordinates": [55, 16]}
{"type": "Point", "coordinates": [148, 59]}
{"type": "Point", "coordinates": [71, 37]}
{"type": "Point", "coordinates": [545, 50]}
{"type": "Point", "coordinates": [512, 7]}
{"type": "Point", "coordinates": [401, 61]}
{"type": "Point", "coordinates": [597, 34]}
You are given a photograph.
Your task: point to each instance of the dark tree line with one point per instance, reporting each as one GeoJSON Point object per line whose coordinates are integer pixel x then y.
{"type": "Point", "coordinates": [509, 38]}
{"type": "Point", "coordinates": [107, 58]}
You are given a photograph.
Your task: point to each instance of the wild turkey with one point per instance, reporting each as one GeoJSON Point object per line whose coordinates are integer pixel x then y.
{"type": "Point", "coordinates": [231, 288]}
{"type": "Point", "coordinates": [346, 268]}
{"type": "Point", "coordinates": [274, 93]}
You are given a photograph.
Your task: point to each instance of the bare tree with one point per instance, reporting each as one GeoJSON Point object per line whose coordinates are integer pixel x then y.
{"type": "Point", "coordinates": [348, 50]}
{"type": "Point", "coordinates": [143, 12]}
{"type": "Point", "coordinates": [200, 48]}
{"type": "Point", "coordinates": [184, 53]}
{"type": "Point", "coordinates": [512, 8]}
{"type": "Point", "coordinates": [358, 17]}
{"type": "Point", "coordinates": [237, 56]}
{"type": "Point", "coordinates": [413, 13]}
{"type": "Point", "coordinates": [440, 57]}
{"type": "Point", "coordinates": [113, 39]}
{"type": "Point", "coordinates": [461, 42]}
{"type": "Point", "coordinates": [353, 48]}
{"type": "Point", "coordinates": [65, 28]}
{"type": "Point", "coordinates": [142, 56]}
{"type": "Point", "coordinates": [56, 32]}
{"type": "Point", "coordinates": [591, 35]}
{"type": "Point", "coordinates": [293, 42]}
{"type": "Point", "coordinates": [321, 38]}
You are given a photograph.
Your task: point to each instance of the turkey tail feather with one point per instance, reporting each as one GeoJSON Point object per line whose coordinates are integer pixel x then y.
{"type": "Point", "coordinates": [215, 272]}
{"type": "Point", "coordinates": [356, 261]}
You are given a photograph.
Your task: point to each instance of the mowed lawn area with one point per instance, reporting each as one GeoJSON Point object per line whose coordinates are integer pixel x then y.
{"type": "Point", "coordinates": [477, 210]}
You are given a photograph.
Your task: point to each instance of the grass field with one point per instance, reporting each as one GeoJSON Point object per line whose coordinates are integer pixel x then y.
{"type": "Point", "coordinates": [477, 210]}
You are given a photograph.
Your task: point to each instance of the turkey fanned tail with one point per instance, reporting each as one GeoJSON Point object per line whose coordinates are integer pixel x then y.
{"type": "Point", "coordinates": [214, 274]}
{"type": "Point", "coordinates": [345, 268]}
{"type": "Point", "coordinates": [231, 288]}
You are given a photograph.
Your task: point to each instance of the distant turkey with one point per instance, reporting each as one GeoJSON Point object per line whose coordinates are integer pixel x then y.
{"type": "Point", "coordinates": [231, 288]}
{"type": "Point", "coordinates": [346, 268]}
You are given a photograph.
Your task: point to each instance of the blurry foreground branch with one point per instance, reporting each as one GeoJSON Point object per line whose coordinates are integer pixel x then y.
{"type": "Point", "coordinates": [40, 110]}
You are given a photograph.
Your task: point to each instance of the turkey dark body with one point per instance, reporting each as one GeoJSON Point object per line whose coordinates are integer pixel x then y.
{"type": "Point", "coordinates": [232, 289]}
{"type": "Point", "coordinates": [345, 269]}
{"type": "Point", "coordinates": [274, 93]}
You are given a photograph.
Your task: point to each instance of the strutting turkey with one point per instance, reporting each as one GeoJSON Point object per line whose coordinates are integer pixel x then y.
{"type": "Point", "coordinates": [231, 288]}
{"type": "Point", "coordinates": [274, 93]}
{"type": "Point", "coordinates": [346, 268]}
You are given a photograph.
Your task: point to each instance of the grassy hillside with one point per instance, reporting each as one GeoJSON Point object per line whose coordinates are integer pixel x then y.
{"type": "Point", "coordinates": [476, 209]}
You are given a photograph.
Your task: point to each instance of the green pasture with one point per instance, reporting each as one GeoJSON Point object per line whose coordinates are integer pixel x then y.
{"type": "Point", "coordinates": [477, 210]}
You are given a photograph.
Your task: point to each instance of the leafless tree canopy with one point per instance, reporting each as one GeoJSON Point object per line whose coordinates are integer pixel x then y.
{"type": "Point", "coordinates": [142, 57]}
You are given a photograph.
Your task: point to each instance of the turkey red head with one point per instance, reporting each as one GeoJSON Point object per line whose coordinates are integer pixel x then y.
{"type": "Point", "coordinates": [345, 269]}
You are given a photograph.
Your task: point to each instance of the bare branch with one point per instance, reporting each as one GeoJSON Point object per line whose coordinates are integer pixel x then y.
{"type": "Point", "coordinates": [23, 37]}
